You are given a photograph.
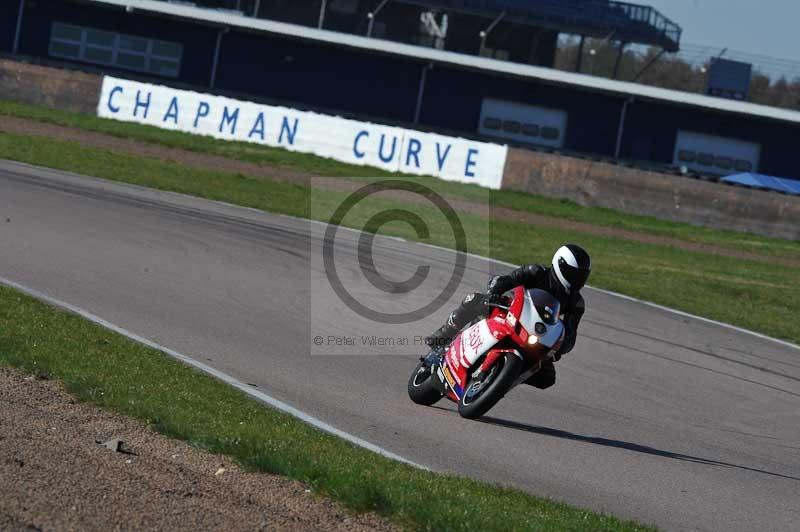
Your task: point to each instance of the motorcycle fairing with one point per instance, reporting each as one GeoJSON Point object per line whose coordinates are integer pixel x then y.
{"type": "Point", "coordinates": [481, 339]}
{"type": "Point", "coordinates": [467, 348]}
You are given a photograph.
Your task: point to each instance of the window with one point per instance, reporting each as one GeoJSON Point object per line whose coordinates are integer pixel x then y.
{"type": "Point", "coordinates": [532, 130]}
{"type": "Point", "coordinates": [687, 156]}
{"type": "Point", "coordinates": [743, 166]}
{"type": "Point", "coordinates": [550, 133]}
{"type": "Point", "coordinates": [726, 163]}
{"type": "Point", "coordinates": [511, 126]}
{"type": "Point", "coordinates": [492, 123]}
{"type": "Point", "coordinates": [706, 159]}
{"type": "Point", "coordinates": [115, 49]}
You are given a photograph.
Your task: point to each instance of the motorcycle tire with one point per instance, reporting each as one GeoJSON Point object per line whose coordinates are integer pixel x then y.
{"type": "Point", "coordinates": [474, 406]}
{"type": "Point", "coordinates": [422, 386]}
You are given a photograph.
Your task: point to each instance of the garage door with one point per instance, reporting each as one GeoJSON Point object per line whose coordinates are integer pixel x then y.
{"type": "Point", "coordinates": [519, 122]}
{"type": "Point", "coordinates": [716, 155]}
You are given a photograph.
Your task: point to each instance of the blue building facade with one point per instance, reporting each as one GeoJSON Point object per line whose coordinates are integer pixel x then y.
{"type": "Point", "coordinates": [318, 76]}
{"type": "Point", "coordinates": [378, 85]}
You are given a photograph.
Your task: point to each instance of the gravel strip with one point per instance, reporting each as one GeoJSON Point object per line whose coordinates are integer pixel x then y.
{"type": "Point", "coordinates": [54, 476]}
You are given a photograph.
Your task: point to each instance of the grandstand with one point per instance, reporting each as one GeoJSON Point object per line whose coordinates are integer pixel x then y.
{"type": "Point", "coordinates": [430, 88]}
{"type": "Point", "coordinates": [522, 31]}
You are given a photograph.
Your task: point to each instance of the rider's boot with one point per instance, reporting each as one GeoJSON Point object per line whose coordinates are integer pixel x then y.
{"type": "Point", "coordinates": [441, 337]}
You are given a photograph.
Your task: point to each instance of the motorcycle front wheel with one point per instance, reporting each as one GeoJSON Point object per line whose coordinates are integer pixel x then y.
{"type": "Point", "coordinates": [480, 396]}
{"type": "Point", "coordinates": [422, 386]}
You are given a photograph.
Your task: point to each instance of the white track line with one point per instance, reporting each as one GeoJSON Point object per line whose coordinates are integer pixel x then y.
{"type": "Point", "coordinates": [601, 290]}
{"type": "Point", "coordinates": [224, 377]}
{"type": "Point", "coordinates": [699, 318]}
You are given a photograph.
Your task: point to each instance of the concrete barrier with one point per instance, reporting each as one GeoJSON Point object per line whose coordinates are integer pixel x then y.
{"type": "Point", "coordinates": [52, 87]}
{"type": "Point", "coordinates": [664, 196]}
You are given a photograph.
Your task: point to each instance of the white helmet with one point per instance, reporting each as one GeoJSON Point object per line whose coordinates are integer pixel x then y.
{"type": "Point", "coordinates": [571, 266]}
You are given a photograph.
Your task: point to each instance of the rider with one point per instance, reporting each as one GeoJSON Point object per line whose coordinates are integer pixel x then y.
{"type": "Point", "coordinates": [570, 269]}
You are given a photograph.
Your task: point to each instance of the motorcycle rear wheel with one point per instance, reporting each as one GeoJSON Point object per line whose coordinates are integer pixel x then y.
{"type": "Point", "coordinates": [501, 377]}
{"type": "Point", "coordinates": [422, 386]}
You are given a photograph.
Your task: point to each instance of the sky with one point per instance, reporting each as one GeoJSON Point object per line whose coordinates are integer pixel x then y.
{"type": "Point", "coordinates": [767, 27]}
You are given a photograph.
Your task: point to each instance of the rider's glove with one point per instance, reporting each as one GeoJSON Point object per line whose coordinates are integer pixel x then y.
{"type": "Point", "coordinates": [491, 298]}
{"type": "Point", "coordinates": [495, 299]}
{"type": "Point", "coordinates": [491, 287]}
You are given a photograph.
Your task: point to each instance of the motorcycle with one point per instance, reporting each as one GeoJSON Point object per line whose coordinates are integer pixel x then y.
{"type": "Point", "coordinates": [492, 356]}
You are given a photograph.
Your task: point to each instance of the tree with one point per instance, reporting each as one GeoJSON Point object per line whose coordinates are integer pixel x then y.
{"type": "Point", "coordinates": [669, 71]}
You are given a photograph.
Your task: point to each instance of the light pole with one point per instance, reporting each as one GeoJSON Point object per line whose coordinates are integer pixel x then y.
{"type": "Point", "coordinates": [617, 63]}
{"type": "Point", "coordinates": [621, 127]}
{"type": "Point", "coordinates": [421, 92]}
{"type": "Point", "coordinates": [372, 14]}
{"type": "Point", "coordinates": [215, 63]}
{"type": "Point", "coordinates": [322, 14]}
{"type": "Point", "coordinates": [484, 34]}
{"type": "Point", "coordinates": [15, 48]}
{"type": "Point", "coordinates": [579, 61]}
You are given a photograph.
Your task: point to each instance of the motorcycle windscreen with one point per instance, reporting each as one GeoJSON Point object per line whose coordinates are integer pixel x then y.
{"type": "Point", "coordinates": [536, 304]}
{"type": "Point", "coordinates": [547, 306]}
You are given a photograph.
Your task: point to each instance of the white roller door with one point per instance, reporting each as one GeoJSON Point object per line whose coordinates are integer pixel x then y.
{"type": "Point", "coordinates": [524, 123]}
{"type": "Point", "coordinates": [716, 155]}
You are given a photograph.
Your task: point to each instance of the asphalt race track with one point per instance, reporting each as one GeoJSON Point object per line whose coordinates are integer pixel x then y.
{"type": "Point", "coordinates": [655, 416]}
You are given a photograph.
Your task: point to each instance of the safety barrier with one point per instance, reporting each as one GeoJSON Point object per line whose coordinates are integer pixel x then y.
{"type": "Point", "coordinates": [350, 141]}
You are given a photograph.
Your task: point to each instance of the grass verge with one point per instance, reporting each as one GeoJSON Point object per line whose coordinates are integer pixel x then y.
{"type": "Point", "coordinates": [111, 371]}
{"type": "Point", "coordinates": [268, 156]}
{"type": "Point", "coordinates": [721, 288]}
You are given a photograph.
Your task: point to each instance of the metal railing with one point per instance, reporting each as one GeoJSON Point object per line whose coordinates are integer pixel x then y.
{"type": "Point", "coordinates": [622, 20]}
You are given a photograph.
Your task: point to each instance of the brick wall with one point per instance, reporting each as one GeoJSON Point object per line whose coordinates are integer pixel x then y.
{"type": "Point", "coordinates": [664, 196]}
{"type": "Point", "coordinates": [52, 87]}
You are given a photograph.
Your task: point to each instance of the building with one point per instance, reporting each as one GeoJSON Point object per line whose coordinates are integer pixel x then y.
{"type": "Point", "coordinates": [522, 31]}
{"type": "Point", "coordinates": [428, 87]}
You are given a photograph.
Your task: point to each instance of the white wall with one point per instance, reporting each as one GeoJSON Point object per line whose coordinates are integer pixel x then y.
{"type": "Point", "coordinates": [361, 143]}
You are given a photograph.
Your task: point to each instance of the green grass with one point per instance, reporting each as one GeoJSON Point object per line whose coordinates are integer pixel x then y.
{"type": "Point", "coordinates": [264, 155]}
{"type": "Point", "coordinates": [759, 296]}
{"type": "Point", "coordinates": [243, 151]}
{"type": "Point", "coordinates": [111, 371]}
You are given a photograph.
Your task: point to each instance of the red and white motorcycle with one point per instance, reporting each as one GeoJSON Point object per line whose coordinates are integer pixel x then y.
{"type": "Point", "coordinates": [489, 358]}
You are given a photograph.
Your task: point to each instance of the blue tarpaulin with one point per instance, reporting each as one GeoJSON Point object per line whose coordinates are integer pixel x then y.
{"type": "Point", "coordinates": [779, 184]}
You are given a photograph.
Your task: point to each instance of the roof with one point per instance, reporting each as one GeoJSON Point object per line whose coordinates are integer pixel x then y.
{"type": "Point", "coordinates": [421, 53]}
{"type": "Point", "coordinates": [626, 22]}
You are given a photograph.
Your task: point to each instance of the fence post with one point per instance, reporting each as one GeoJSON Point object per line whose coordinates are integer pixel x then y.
{"type": "Point", "coordinates": [421, 94]}
{"type": "Point", "coordinates": [215, 64]}
{"type": "Point", "coordinates": [322, 8]}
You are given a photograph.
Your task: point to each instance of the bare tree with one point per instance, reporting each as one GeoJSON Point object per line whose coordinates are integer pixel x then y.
{"type": "Point", "coordinates": [669, 71]}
